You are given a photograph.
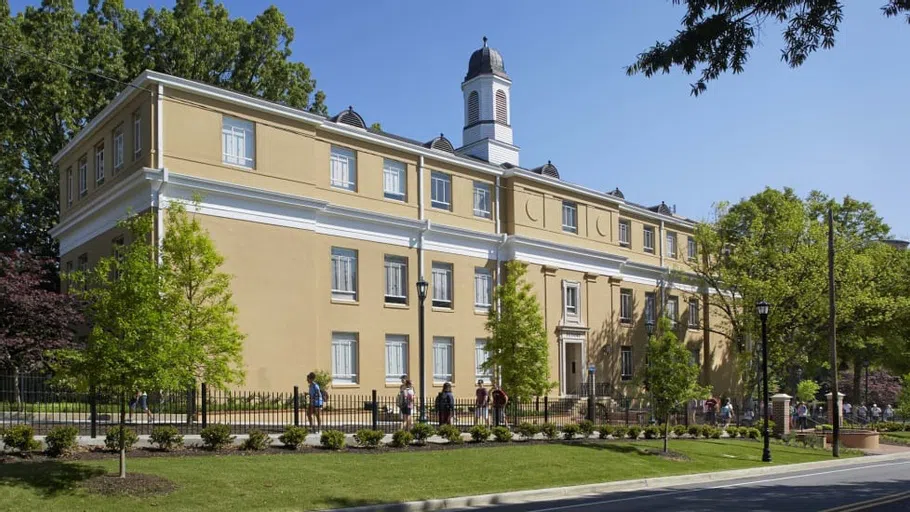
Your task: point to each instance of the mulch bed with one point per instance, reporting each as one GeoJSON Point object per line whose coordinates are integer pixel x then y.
{"type": "Point", "coordinates": [140, 485]}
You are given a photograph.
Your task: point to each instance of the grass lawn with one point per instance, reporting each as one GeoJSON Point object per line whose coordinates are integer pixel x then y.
{"type": "Point", "coordinates": [327, 480]}
{"type": "Point", "coordinates": [902, 435]}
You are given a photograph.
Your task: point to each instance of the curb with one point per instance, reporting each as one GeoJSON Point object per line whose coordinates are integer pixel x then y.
{"type": "Point", "coordinates": [580, 491]}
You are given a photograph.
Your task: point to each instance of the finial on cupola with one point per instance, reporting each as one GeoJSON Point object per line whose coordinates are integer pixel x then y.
{"type": "Point", "coordinates": [484, 41]}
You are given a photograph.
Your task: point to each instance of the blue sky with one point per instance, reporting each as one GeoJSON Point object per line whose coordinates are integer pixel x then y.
{"type": "Point", "coordinates": [838, 123]}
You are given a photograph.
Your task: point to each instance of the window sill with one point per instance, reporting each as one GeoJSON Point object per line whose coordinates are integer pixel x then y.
{"type": "Point", "coordinates": [485, 311]}
{"type": "Point", "coordinates": [571, 232]}
{"type": "Point", "coordinates": [443, 310]}
{"type": "Point", "coordinates": [651, 252]}
{"type": "Point", "coordinates": [441, 208]}
{"type": "Point", "coordinates": [345, 385]}
{"type": "Point", "coordinates": [484, 217]}
{"type": "Point", "coordinates": [694, 327]}
{"type": "Point", "coordinates": [345, 302]}
{"type": "Point", "coordinates": [401, 199]}
{"type": "Point", "coordinates": [625, 245]}
{"type": "Point", "coordinates": [625, 323]}
{"type": "Point", "coordinates": [394, 305]}
{"type": "Point", "coordinates": [343, 189]}
{"type": "Point", "coordinates": [99, 182]}
{"type": "Point", "coordinates": [239, 166]}
{"type": "Point", "coordinates": [625, 379]}
{"type": "Point", "coordinates": [390, 385]}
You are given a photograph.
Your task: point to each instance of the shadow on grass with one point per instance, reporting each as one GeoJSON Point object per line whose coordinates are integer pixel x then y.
{"type": "Point", "coordinates": [343, 502]}
{"type": "Point", "coordinates": [47, 479]}
{"type": "Point", "coordinates": [615, 448]}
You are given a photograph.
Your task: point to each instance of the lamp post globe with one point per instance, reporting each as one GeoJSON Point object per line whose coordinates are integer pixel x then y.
{"type": "Point", "coordinates": [763, 308]}
{"type": "Point", "coordinates": [422, 286]}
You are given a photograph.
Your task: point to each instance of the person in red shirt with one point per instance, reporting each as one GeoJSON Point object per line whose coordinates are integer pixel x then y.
{"type": "Point", "coordinates": [500, 399]}
{"type": "Point", "coordinates": [481, 404]}
{"type": "Point", "coordinates": [710, 411]}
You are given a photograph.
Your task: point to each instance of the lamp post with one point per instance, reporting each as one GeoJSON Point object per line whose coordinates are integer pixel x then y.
{"type": "Point", "coordinates": [650, 326]}
{"type": "Point", "coordinates": [763, 307]}
{"type": "Point", "coordinates": [422, 286]}
{"type": "Point", "coordinates": [866, 399]}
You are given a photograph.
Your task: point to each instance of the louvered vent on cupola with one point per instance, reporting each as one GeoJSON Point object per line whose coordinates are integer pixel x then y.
{"type": "Point", "coordinates": [350, 118]}
{"type": "Point", "coordinates": [441, 143]}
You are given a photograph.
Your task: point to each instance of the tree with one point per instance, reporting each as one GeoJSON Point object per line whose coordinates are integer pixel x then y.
{"type": "Point", "coordinates": [52, 62]}
{"type": "Point", "coordinates": [376, 127]}
{"type": "Point", "coordinates": [35, 319]}
{"type": "Point", "coordinates": [155, 326]}
{"type": "Point", "coordinates": [903, 400]}
{"type": "Point", "coordinates": [672, 377]}
{"type": "Point", "coordinates": [517, 346]}
{"type": "Point", "coordinates": [806, 390]}
{"type": "Point", "coordinates": [717, 36]}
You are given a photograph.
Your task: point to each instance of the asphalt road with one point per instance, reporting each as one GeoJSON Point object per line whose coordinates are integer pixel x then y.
{"type": "Point", "coordinates": [883, 486]}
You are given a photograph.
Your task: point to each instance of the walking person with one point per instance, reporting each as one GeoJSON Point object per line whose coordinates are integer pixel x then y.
{"type": "Point", "coordinates": [481, 404]}
{"type": "Point", "coordinates": [862, 414]}
{"type": "Point", "coordinates": [711, 411]}
{"type": "Point", "coordinates": [726, 413]}
{"type": "Point", "coordinates": [445, 405]}
{"type": "Point", "coordinates": [848, 410]}
{"type": "Point", "coordinates": [315, 403]}
{"type": "Point", "coordinates": [801, 411]}
{"type": "Point", "coordinates": [888, 413]}
{"type": "Point", "coordinates": [748, 417]}
{"type": "Point", "coordinates": [500, 399]}
{"type": "Point", "coordinates": [406, 403]}
{"type": "Point", "coordinates": [876, 413]}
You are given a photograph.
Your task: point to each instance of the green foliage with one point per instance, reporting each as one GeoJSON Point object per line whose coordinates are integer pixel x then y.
{"type": "Point", "coordinates": [903, 399]}
{"type": "Point", "coordinates": [754, 433]}
{"type": "Point", "coordinates": [679, 430]}
{"type": "Point", "coordinates": [166, 437]}
{"type": "Point", "coordinates": [332, 439]}
{"type": "Point", "coordinates": [257, 440]}
{"type": "Point", "coordinates": [771, 425]}
{"type": "Point", "coordinates": [705, 430]}
{"type": "Point", "coordinates": [549, 430]}
{"type": "Point", "coordinates": [369, 438]}
{"type": "Point", "coordinates": [585, 428]}
{"type": "Point", "coordinates": [605, 430]}
{"type": "Point", "coordinates": [620, 432]}
{"type": "Point", "coordinates": [293, 437]}
{"type": "Point", "coordinates": [112, 438]}
{"type": "Point", "coordinates": [216, 437]}
{"type": "Point", "coordinates": [570, 430]}
{"type": "Point", "coordinates": [480, 433]}
{"type": "Point", "coordinates": [652, 432]}
{"type": "Point", "coordinates": [450, 433]}
{"type": "Point", "coordinates": [402, 439]}
{"type": "Point", "coordinates": [61, 441]}
{"type": "Point", "coordinates": [422, 432]}
{"type": "Point", "coordinates": [323, 378]}
{"type": "Point", "coordinates": [634, 431]}
{"type": "Point", "coordinates": [806, 390]}
{"type": "Point", "coordinates": [20, 437]}
{"type": "Point", "coordinates": [716, 433]}
{"type": "Point", "coordinates": [528, 430]}
{"type": "Point", "coordinates": [518, 347]}
{"type": "Point", "coordinates": [733, 432]}
{"type": "Point", "coordinates": [502, 434]}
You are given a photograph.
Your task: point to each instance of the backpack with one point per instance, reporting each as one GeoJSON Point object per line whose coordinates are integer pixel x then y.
{"type": "Point", "coordinates": [440, 401]}
{"type": "Point", "coordinates": [325, 394]}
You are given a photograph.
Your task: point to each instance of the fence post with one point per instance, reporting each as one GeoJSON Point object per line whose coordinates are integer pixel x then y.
{"type": "Point", "coordinates": [546, 409]}
{"type": "Point", "coordinates": [296, 406]}
{"type": "Point", "coordinates": [93, 411]}
{"type": "Point", "coordinates": [205, 406]}
{"type": "Point", "coordinates": [628, 406]}
{"type": "Point", "coordinates": [375, 411]}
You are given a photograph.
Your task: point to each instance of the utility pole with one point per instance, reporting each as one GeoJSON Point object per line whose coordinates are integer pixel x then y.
{"type": "Point", "coordinates": [832, 336]}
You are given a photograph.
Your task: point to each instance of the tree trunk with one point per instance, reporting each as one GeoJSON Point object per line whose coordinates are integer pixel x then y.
{"type": "Point", "coordinates": [122, 440]}
{"type": "Point", "coordinates": [17, 389]}
{"type": "Point", "coordinates": [857, 381]}
{"type": "Point", "coordinates": [666, 431]}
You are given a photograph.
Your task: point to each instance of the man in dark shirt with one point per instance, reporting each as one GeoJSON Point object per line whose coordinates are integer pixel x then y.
{"type": "Point", "coordinates": [710, 411]}
{"type": "Point", "coordinates": [500, 399]}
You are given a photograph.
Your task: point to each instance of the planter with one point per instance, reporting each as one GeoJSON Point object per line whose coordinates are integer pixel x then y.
{"type": "Point", "coordinates": [859, 439]}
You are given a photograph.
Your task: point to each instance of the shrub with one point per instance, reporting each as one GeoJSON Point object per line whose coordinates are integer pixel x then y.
{"type": "Point", "coordinates": [732, 432]}
{"type": "Point", "coordinates": [620, 432]}
{"type": "Point", "coordinates": [528, 430]}
{"type": "Point", "coordinates": [369, 438]}
{"type": "Point", "coordinates": [652, 432]}
{"type": "Point", "coordinates": [715, 433]}
{"type": "Point", "coordinates": [293, 436]}
{"type": "Point", "coordinates": [634, 431]}
{"type": "Point", "coordinates": [256, 440]}
{"type": "Point", "coordinates": [679, 430]}
{"type": "Point", "coordinates": [332, 439]}
{"type": "Point", "coordinates": [549, 431]}
{"type": "Point", "coordinates": [502, 434]}
{"type": "Point", "coordinates": [20, 437]}
{"type": "Point", "coordinates": [61, 441]}
{"type": "Point", "coordinates": [770, 426]}
{"type": "Point", "coordinates": [694, 430]}
{"type": "Point", "coordinates": [402, 438]}
{"type": "Point", "coordinates": [754, 433]}
{"type": "Point", "coordinates": [422, 432]}
{"type": "Point", "coordinates": [570, 430]}
{"type": "Point", "coordinates": [706, 430]}
{"type": "Point", "coordinates": [605, 430]}
{"type": "Point", "coordinates": [450, 433]}
{"type": "Point", "coordinates": [216, 437]}
{"type": "Point", "coordinates": [112, 438]}
{"type": "Point", "coordinates": [166, 437]}
{"type": "Point", "coordinates": [586, 428]}
{"type": "Point", "coordinates": [480, 433]}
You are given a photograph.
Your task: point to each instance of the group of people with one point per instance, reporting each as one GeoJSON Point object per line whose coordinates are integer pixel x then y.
{"type": "Point", "coordinates": [445, 403]}
{"type": "Point", "coordinates": [862, 414]}
{"type": "Point", "coordinates": [709, 408]}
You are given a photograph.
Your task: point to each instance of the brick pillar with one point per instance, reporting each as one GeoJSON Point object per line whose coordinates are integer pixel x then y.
{"type": "Point", "coordinates": [840, 407]}
{"type": "Point", "coordinates": [781, 412]}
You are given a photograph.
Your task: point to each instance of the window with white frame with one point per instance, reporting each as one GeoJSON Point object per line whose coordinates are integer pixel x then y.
{"type": "Point", "coordinates": [648, 242]}
{"type": "Point", "coordinates": [482, 200]}
{"type": "Point", "coordinates": [625, 233]}
{"type": "Point", "coordinates": [625, 306]}
{"type": "Point", "coordinates": [83, 175]}
{"type": "Point", "coordinates": [671, 244]}
{"type": "Point", "coordinates": [692, 249]}
{"type": "Point", "coordinates": [344, 357]}
{"type": "Point", "coordinates": [442, 285]}
{"type": "Point", "coordinates": [343, 168]}
{"type": "Point", "coordinates": [571, 299]}
{"type": "Point", "coordinates": [396, 357]}
{"type": "Point", "coordinates": [441, 190]}
{"type": "Point", "coordinates": [99, 163]}
{"type": "Point", "coordinates": [394, 180]}
{"type": "Point", "coordinates": [483, 288]}
{"type": "Point", "coordinates": [118, 147]}
{"type": "Point", "coordinates": [480, 358]}
{"type": "Point", "coordinates": [625, 354]}
{"type": "Point", "coordinates": [344, 274]}
{"type": "Point", "coordinates": [650, 308]}
{"type": "Point", "coordinates": [569, 217]}
{"type": "Point", "coordinates": [443, 359]}
{"type": "Point", "coordinates": [238, 142]}
{"type": "Point", "coordinates": [396, 280]}
{"type": "Point", "coordinates": [137, 134]}
{"type": "Point", "coordinates": [69, 186]}
{"type": "Point", "coordinates": [673, 310]}
{"type": "Point", "coordinates": [694, 313]}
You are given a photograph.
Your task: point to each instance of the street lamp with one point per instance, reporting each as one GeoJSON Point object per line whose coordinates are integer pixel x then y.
{"type": "Point", "coordinates": [763, 307]}
{"type": "Point", "coordinates": [650, 326]}
{"type": "Point", "coordinates": [422, 286]}
{"type": "Point", "coordinates": [866, 366]}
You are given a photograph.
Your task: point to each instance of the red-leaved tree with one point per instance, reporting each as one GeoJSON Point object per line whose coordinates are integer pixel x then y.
{"type": "Point", "coordinates": [35, 319]}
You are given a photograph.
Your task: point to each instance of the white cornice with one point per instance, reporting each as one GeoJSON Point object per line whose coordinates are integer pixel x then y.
{"type": "Point", "coordinates": [107, 197]}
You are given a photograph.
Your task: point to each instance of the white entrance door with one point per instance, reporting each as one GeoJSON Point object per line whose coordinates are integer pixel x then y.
{"type": "Point", "coordinates": [572, 367]}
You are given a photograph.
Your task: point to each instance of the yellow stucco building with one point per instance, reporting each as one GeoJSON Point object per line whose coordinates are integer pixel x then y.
{"type": "Point", "coordinates": [326, 227]}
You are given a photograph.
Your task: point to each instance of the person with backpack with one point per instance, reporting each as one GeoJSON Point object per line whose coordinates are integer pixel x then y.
{"type": "Point", "coordinates": [726, 413]}
{"type": "Point", "coordinates": [481, 404]}
{"type": "Point", "coordinates": [500, 399]}
{"type": "Point", "coordinates": [406, 403]}
{"type": "Point", "coordinates": [710, 411]}
{"type": "Point", "coordinates": [801, 411]}
{"type": "Point", "coordinates": [445, 404]}
{"type": "Point", "coordinates": [317, 397]}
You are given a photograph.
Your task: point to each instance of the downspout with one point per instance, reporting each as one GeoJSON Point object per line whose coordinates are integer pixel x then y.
{"type": "Point", "coordinates": [663, 287]}
{"type": "Point", "coordinates": [502, 242]}
{"type": "Point", "coordinates": [160, 197]}
{"type": "Point", "coordinates": [420, 216]}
